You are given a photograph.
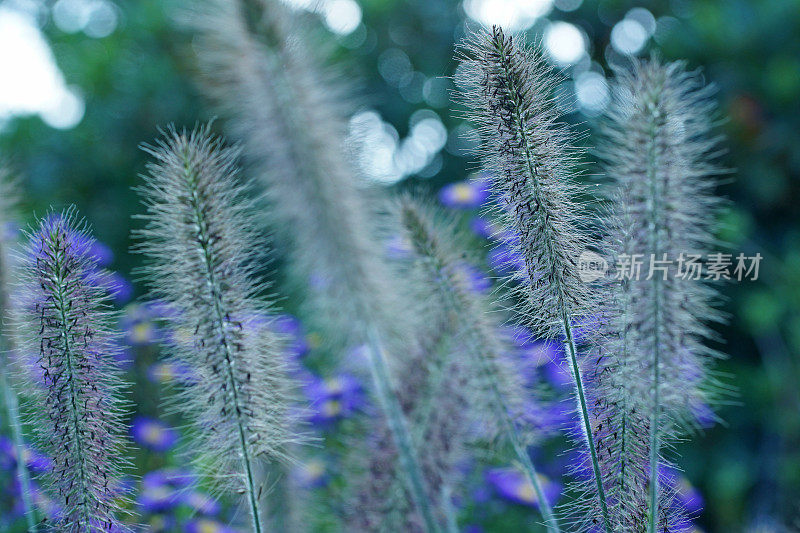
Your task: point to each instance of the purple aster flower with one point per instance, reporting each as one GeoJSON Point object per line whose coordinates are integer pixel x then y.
{"type": "Point", "coordinates": [101, 253]}
{"type": "Point", "coordinates": [333, 398]}
{"type": "Point", "coordinates": [398, 247]}
{"type": "Point", "coordinates": [310, 474]}
{"type": "Point", "coordinates": [138, 324]}
{"type": "Point", "coordinates": [153, 434]}
{"type": "Point", "coordinates": [291, 328]}
{"type": "Point", "coordinates": [505, 259]}
{"type": "Point", "coordinates": [170, 371]}
{"type": "Point", "coordinates": [476, 281]}
{"type": "Point", "coordinates": [180, 478]}
{"type": "Point", "coordinates": [163, 490]}
{"type": "Point", "coordinates": [202, 503]}
{"type": "Point", "coordinates": [465, 194]}
{"type": "Point", "coordinates": [512, 485]}
{"type": "Point", "coordinates": [33, 459]}
{"type": "Point", "coordinates": [482, 227]}
{"type": "Point", "coordinates": [486, 228]}
{"type": "Point", "coordinates": [206, 525]}
{"type": "Point", "coordinates": [157, 498]}
{"type": "Point", "coordinates": [120, 288]}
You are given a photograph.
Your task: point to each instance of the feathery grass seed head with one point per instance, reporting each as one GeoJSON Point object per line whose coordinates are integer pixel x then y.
{"type": "Point", "coordinates": [65, 317]}
{"type": "Point", "coordinates": [202, 252]}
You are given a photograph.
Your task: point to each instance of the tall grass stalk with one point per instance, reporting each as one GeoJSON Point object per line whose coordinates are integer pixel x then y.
{"type": "Point", "coordinates": [478, 335]}
{"type": "Point", "coordinates": [203, 250]}
{"type": "Point", "coordinates": [65, 317]}
{"type": "Point", "coordinates": [508, 91]}
{"type": "Point", "coordinates": [659, 149]}
{"type": "Point", "coordinates": [8, 199]}
{"type": "Point", "coordinates": [290, 115]}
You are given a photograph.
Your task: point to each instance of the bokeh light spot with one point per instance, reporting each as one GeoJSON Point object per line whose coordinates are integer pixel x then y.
{"type": "Point", "coordinates": [564, 42]}
{"type": "Point", "coordinates": [512, 15]}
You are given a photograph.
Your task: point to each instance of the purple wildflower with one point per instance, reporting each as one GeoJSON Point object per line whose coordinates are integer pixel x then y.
{"type": "Point", "coordinates": [482, 227]}
{"type": "Point", "coordinates": [512, 485]}
{"type": "Point", "coordinates": [202, 503]}
{"type": "Point", "coordinates": [206, 525]}
{"type": "Point", "coordinates": [290, 327]}
{"type": "Point", "coordinates": [153, 434]}
{"type": "Point", "coordinates": [465, 194]}
{"type": "Point", "coordinates": [170, 371]}
{"type": "Point", "coordinates": [34, 460]}
{"type": "Point", "coordinates": [333, 398]}
{"type": "Point", "coordinates": [120, 288]}
{"type": "Point", "coordinates": [311, 474]}
{"type": "Point", "coordinates": [138, 324]}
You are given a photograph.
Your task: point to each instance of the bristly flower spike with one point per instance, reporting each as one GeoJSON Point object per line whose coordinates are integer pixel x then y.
{"type": "Point", "coordinates": [498, 395]}
{"type": "Point", "coordinates": [202, 249]}
{"type": "Point", "coordinates": [65, 317]}
{"type": "Point", "coordinates": [508, 90]}
{"type": "Point", "coordinates": [660, 151]}
{"type": "Point", "coordinates": [8, 197]}
{"type": "Point", "coordinates": [291, 116]}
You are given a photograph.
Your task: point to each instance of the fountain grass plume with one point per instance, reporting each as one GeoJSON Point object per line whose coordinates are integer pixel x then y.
{"type": "Point", "coordinates": [203, 255]}
{"type": "Point", "coordinates": [290, 115]}
{"type": "Point", "coordinates": [529, 153]}
{"type": "Point", "coordinates": [65, 317]}
{"type": "Point", "coordinates": [433, 392]}
{"type": "Point", "coordinates": [659, 149]}
{"type": "Point", "coordinates": [8, 201]}
{"type": "Point", "coordinates": [496, 396]}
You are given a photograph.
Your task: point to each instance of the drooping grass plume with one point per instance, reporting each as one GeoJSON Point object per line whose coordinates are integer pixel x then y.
{"type": "Point", "coordinates": [496, 396]}
{"type": "Point", "coordinates": [433, 396]}
{"type": "Point", "coordinates": [202, 249]}
{"type": "Point", "coordinates": [508, 91]}
{"type": "Point", "coordinates": [8, 199]}
{"type": "Point", "coordinates": [290, 115]}
{"type": "Point", "coordinates": [660, 151]}
{"type": "Point", "coordinates": [65, 317]}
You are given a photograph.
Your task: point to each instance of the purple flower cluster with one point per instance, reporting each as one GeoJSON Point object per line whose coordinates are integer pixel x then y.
{"type": "Point", "coordinates": [163, 492]}
{"type": "Point", "coordinates": [153, 434]}
{"type": "Point", "coordinates": [465, 194]}
{"type": "Point", "coordinates": [333, 398]}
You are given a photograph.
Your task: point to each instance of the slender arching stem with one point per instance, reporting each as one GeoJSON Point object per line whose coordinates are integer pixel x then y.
{"type": "Point", "coordinates": [400, 431]}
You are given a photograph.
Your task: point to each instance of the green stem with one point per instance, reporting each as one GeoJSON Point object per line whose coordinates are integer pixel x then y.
{"type": "Point", "coordinates": [12, 406]}
{"type": "Point", "coordinates": [530, 162]}
{"type": "Point", "coordinates": [655, 433]}
{"type": "Point", "coordinates": [449, 511]}
{"type": "Point", "coordinates": [510, 428]}
{"type": "Point", "coordinates": [12, 402]}
{"type": "Point", "coordinates": [400, 431]}
{"type": "Point", "coordinates": [219, 318]}
{"type": "Point", "coordinates": [584, 411]}
{"type": "Point", "coordinates": [62, 306]}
